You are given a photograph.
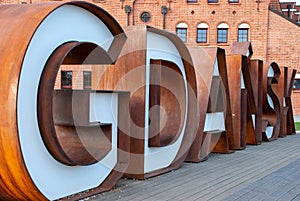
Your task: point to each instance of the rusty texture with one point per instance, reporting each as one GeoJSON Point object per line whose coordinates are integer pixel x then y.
{"type": "Point", "coordinates": [271, 112]}
{"type": "Point", "coordinates": [236, 64]}
{"type": "Point", "coordinates": [15, 181]}
{"type": "Point", "coordinates": [132, 78]}
{"type": "Point", "coordinates": [212, 96]}
{"type": "Point", "coordinates": [64, 116]}
{"type": "Point", "coordinates": [242, 48]}
{"type": "Point", "coordinates": [164, 74]}
{"type": "Point", "coordinates": [289, 74]}
{"type": "Point", "coordinates": [256, 75]}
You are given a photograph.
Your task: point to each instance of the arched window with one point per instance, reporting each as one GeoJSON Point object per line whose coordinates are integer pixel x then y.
{"type": "Point", "coordinates": [202, 33]}
{"type": "Point", "coordinates": [223, 33]}
{"type": "Point", "coordinates": [243, 32]}
{"type": "Point", "coordinates": [181, 31]}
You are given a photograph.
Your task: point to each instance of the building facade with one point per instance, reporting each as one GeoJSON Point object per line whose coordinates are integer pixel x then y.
{"type": "Point", "coordinates": [291, 10]}
{"type": "Point", "coordinates": [273, 35]}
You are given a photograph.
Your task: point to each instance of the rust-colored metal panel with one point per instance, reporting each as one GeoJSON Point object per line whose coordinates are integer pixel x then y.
{"type": "Point", "coordinates": [249, 131]}
{"type": "Point", "coordinates": [289, 74]}
{"type": "Point", "coordinates": [16, 182]}
{"type": "Point", "coordinates": [204, 67]}
{"type": "Point", "coordinates": [242, 48]}
{"type": "Point", "coordinates": [278, 89]}
{"type": "Point", "coordinates": [154, 103]}
{"type": "Point", "coordinates": [256, 75]}
{"type": "Point", "coordinates": [220, 142]}
{"type": "Point", "coordinates": [213, 96]}
{"type": "Point", "coordinates": [129, 73]}
{"type": "Point", "coordinates": [271, 103]}
{"type": "Point", "coordinates": [133, 78]}
{"type": "Point", "coordinates": [163, 76]}
{"type": "Point", "coordinates": [235, 64]}
{"type": "Point", "coordinates": [244, 117]}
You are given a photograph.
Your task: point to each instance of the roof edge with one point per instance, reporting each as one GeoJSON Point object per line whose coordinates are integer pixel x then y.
{"type": "Point", "coordinates": [283, 16]}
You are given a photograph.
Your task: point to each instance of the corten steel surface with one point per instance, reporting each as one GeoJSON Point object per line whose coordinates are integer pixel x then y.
{"type": "Point", "coordinates": [271, 116]}
{"type": "Point", "coordinates": [15, 181]}
{"type": "Point", "coordinates": [133, 61]}
{"type": "Point", "coordinates": [256, 75]}
{"type": "Point", "coordinates": [252, 76]}
{"type": "Point", "coordinates": [132, 78]}
{"type": "Point", "coordinates": [279, 92]}
{"type": "Point", "coordinates": [235, 65]}
{"type": "Point", "coordinates": [289, 74]}
{"type": "Point", "coordinates": [204, 60]}
{"type": "Point", "coordinates": [243, 48]}
{"type": "Point", "coordinates": [66, 131]}
{"type": "Point", "coordinates": [165, 73]}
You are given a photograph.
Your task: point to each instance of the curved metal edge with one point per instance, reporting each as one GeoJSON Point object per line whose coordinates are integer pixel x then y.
{"type": "Point", "coordinates": [17, 184]}
{"type": "Point", "coordinates": [269, 114]}
{"type": "Point", "coordinates": [192, 114]}
{"type": "Point", "coordinates": [67, 52]}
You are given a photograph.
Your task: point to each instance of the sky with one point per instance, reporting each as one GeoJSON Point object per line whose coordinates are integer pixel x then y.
{"type": "Point", "coordinates": [297, 1]}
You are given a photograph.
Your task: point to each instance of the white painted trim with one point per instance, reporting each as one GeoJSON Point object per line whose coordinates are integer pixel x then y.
{"type": "Point", "coordinates": [248, 53]}
{"type": "Point", "coordinates": [270, 101]}
{"type": "Point", "coordinates": [223, 26]}
{"type": "Point", "coordinates": [242, 81]}
{"type": "Point", "coordinates": [162, 48]}
{"type": "Point", "coordinates": [214, 121]}
{"type": "Point", "coordinates": [203, 25]}
{"type": "Point", "coordinates": [253, 119]}
{"type": "Point", "coordinates": [297, 76]}
{"type": "Point", "coordinates": [271, 72]}
{"type": "Point", "coordinates": [216, 68]}
{"type": "Point", "coordinates": [182, 25]}
{"type": "Point", "coordinates": [53, 179]}
{"type": "Point", "coordinates": [269, 131]}
{"type": "Point", "coordinates": [244, 26]}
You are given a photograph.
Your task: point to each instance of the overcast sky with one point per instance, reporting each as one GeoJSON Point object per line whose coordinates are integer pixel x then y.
{"type": "Point", "coordinates": [298, 1]}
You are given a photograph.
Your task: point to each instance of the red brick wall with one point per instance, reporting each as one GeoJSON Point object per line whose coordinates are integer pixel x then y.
{"type": "Point", "coordinates": [77, 75]}
{"type": "Point", "coordinates": [284, 47]}
{"type": "Point", "coordinates": [256, 15]}
{"type": "Point", "coordinates": [284, 41]}
{"type": "Point", "coordinates": [194, 13]}
{"type": "Point", "coordinates": [273, 37]}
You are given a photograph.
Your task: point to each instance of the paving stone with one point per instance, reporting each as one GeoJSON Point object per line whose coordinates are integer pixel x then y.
{"type": "Point", "coordinates": [268, 171]}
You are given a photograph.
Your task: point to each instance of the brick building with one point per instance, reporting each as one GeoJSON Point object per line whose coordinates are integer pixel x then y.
{"type": "Point", "coordinates": [273, 35]}
{"type": "Point", "coordinates": [291, 10]}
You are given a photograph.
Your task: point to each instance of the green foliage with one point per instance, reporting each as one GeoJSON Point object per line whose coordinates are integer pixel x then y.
{"type": "Point", "coordinates": [297, 126]}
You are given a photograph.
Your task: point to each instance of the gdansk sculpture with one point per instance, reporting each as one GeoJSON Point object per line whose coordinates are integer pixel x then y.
{"type": "Point", "coordinates": [154, 103]}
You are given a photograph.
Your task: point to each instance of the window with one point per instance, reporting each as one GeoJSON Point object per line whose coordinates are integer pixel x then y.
{"type": "Point", "coordinates": [145, 17]}
{"type": "Point", "coordinates": [192, 1]}
{"type": "Point", "coordinates": [87, 79]}
{"type": "Point", "coordinates": [181, 31]}
{"type": "Point", "coordinates": [233, 1]}
{"type": "Point", "coordinates": [212, 1]}
{"type": "Point", "coordinates": [242, 35]}
{"type": "Point", "coordinates": [222, 33]}
{"type": "Point", "coordinates": [296, 84]}
{"type": "Point", "coordinates": [202, 33]}
{"type": "Point", "coordinates": [66, 79]}
{"type": "Point", "coordinates": [243, 32]}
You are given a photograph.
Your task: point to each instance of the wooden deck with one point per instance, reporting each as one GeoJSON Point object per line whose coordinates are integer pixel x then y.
{"type": "Point", "coordinates": [270, 171]}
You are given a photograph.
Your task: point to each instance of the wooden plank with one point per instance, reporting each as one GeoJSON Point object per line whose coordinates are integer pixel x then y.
{"type": "Point", "coordinates": [215, 178]}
